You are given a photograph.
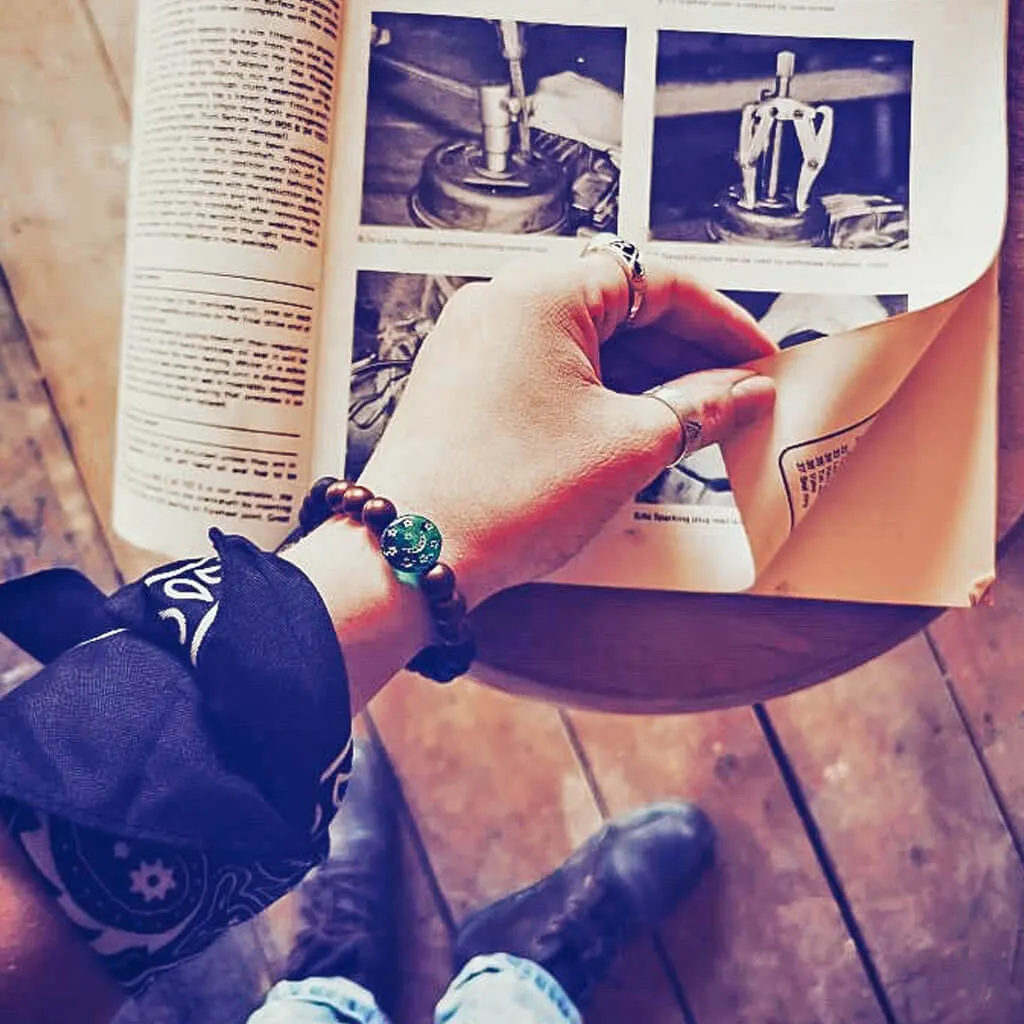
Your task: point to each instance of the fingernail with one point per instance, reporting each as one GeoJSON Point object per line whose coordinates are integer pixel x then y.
{"type": "Point", "coordinates": [754, 398]}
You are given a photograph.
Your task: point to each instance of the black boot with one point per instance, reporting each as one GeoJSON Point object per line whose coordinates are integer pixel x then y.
{"type": "Point", "coordinates": [635, 871]}
{"type": "Point", "coordinates": [349, 906]}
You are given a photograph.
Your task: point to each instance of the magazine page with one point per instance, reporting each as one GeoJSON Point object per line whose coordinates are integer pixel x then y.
{"type": "Point", "coordinates": [233, 112]}
{"type": "Point", "coordinates": [809, 159]}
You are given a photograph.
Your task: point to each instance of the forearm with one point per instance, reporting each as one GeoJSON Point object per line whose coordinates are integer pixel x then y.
{"type": "Point", "coordinates": [47, 974]}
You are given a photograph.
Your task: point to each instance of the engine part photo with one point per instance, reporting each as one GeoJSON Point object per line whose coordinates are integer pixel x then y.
{"type": "Point", "coordinates": [782, 142]}
{"type": "Point", "coordinates": [490, 167]}
{"type": "Point", "coordinates": [763, 209]}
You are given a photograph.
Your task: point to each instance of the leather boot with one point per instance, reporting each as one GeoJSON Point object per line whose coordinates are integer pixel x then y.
{"type": "Point", "coordinates": [627, 877]}
{"type": "Point", "coordinates": [349, 906]}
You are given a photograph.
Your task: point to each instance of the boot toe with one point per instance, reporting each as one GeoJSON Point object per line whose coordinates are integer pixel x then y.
{"type": "Point", "coordinates": [659, 854]}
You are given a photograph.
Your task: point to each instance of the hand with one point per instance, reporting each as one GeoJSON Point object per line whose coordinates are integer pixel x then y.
{"type": "Point", "coordinates": [579, 108]}
{"type": "Point", "coordinates": [506, 436]}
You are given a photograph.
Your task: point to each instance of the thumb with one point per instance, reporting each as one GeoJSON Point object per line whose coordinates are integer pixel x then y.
{"type": "Point", "coordinates": [682, 416]}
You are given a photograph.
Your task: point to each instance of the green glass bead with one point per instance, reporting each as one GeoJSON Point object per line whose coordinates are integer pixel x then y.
{"type": "Point", "coordinates": [411, 544]}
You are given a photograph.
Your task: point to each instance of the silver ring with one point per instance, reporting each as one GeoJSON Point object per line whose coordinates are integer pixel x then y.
{"type": "Point", "coordinates": [627, 255]}
{"type": "Point", "coordinates": [691, 431]}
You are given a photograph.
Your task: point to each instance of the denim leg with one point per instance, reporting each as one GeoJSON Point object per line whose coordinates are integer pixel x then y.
{"type": "Point", "coordinates": [503, 989]}
{"type": "Point", "coordinates": [318, 1001]}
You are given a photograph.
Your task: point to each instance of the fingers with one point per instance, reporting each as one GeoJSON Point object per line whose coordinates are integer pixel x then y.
{"type": "Point", "coordinates": [591, 295]}
{"type": "Point", "coordinates": [721, 402]}
{"type": "Point", "coordinates": [686, 310]}
{"type": "Point", "coordinates": [588, 296]}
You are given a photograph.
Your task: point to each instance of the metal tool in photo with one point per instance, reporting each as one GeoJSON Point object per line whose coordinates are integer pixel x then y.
{"type": "Point", "coordinates": [763, 208]}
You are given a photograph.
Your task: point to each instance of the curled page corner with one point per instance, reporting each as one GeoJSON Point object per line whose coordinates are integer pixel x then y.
{"type": "Point", "coordinates": [830, 392]}
{"type": "Point", "coordinates": [982, 593]}
{"type": "Point", "coordinates": [908, 516]}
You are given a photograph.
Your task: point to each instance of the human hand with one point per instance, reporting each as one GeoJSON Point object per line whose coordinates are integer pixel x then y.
{"type": "Point", "coordinates": [506, 436]}
{"type": "Point", "coordinates": [575, 107]}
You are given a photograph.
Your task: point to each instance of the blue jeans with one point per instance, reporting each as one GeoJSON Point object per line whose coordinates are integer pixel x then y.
{"type": "Point", "coordinates": [496, 989]}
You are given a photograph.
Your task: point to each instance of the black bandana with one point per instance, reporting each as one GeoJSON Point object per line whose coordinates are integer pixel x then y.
{"type": "Point", "coordinates": [194, 727]}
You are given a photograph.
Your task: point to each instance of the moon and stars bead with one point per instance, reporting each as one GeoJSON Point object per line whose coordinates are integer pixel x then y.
{"type": "Point", "coordinates": [411, 544]}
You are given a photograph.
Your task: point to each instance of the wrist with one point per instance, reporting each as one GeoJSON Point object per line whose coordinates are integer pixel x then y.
{"type": "Point", "coordinates": [380, 622]}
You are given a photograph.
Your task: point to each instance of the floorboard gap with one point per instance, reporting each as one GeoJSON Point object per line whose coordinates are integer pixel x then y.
{"type": "Point", "coordinates": [825, 862]}
{"type": "Point", "coordinates": [583, 760]}
{"type": "Point", "coordinates": [979, 752]}
{"type": "Point", "coordinates": [673, 980]}
{"type": "Point", "coordinates": [409, 821]}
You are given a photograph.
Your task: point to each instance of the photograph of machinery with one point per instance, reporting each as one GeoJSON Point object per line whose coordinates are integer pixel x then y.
{"type": "Point", "coordinates": [494, 126]}
{"type": "Point", "coordinates": [782, 141]}
{"type": "Point", "coordinates": [395, 313]}
{"type": "Point", "coordinates": [789, 320]}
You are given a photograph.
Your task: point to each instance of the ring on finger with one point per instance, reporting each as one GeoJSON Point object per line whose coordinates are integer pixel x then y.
{"type": "Point", "coordinates": [691, 430]}
{"type": "Point", "coordinates": [627, 255]}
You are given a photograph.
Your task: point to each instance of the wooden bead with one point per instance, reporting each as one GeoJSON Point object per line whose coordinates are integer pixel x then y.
{"type": "Point", "coordinates": [444, 664]}
{"type": "Point", "coordinates": [318, 492]}
{"type": "Point", "coordinates": [450, 611]}
{"type": "Point", "coordinates": [335, 496]}
{"type": "Point", "coordinates": [453, 634]}
{"type": "Point", "coordinates": [459, 657]}
{"type": "Point", "coordinates": [438, 585]}
{"type": "Point", "coordinates": [354, 501]}
{"type": "Point", "coordinates": [379, 514]}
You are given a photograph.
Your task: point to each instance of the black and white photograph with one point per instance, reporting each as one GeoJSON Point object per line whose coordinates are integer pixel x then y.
{"type": "Point", "coordinates": [394, 315]}
{"type": "Point", "coordinates": [789, 320]}
{"type": "Point", "coordinates": [493, 125]}
{"type": "Point", "coordinates": [778, 141]}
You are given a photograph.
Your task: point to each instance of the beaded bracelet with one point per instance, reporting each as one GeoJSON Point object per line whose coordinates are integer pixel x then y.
{"type": "Point", "coordinates": [411, 545]}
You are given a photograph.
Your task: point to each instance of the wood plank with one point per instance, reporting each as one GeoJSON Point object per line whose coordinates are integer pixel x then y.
{"type": "Point", "coordinates": [45, 515]}
{"type": "Point", "coordinates": [499, 801]}
{"type": "Point", "coordinates": [904, 810]}
{"type": "Point", "coordinates": [63, 178]}
{"type": "Point", "coordinates": [762, 939]}
{"type": "Point", "coordinates": [983, 653]}
{"type": "Point", "coordinates": [114, 22]}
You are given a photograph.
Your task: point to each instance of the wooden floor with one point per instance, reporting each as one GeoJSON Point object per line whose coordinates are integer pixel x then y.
{"type": "Point", "coordinates": [870, 863]}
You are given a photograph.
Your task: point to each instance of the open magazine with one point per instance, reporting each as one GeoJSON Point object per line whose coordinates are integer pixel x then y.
{"type": "Point", "coordinates": [312, 181]}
